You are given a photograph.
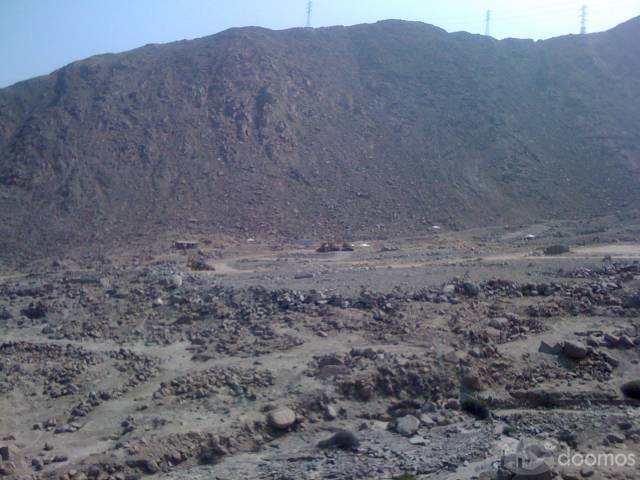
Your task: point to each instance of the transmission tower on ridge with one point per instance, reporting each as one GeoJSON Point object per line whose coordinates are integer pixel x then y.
{"type": "Point", "coordinates": [583, 20]}
{"type": "Point", "coordinates": [487, 26]}
{"type": "Point", "coordinates": [309, 9]}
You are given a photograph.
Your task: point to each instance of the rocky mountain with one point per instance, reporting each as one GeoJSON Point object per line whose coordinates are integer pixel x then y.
{"type": "Point", "coordinates": [369, 130]}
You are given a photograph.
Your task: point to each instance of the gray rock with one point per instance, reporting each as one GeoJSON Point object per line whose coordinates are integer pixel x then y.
{"type": "Point", "coordinates": [330, 412]}
{"type": "Point", "coordinates": [625, 342]}
{"type": "Point", "coordinates": [611, 340]}
{"type": "Point", "coordinates": [281, 418]}
{"type": "Point", "coordinates": [426, 420]}
{"type": "Point", "coordinates": [554, 349]}
{"type": "Point", "coordinates": [175, 281]}
{"type": "Point", "coordinates": [587, 472]}
{"type": "Point", "coordinates": [610, 359]}
{"type": "Point", "coordinates": [158, 302]}
{"type": "Point", "coordinates": [7, 469]}
{"type": "Point", "coordinates": [429, 407]}
{"type": "Point", "coordinates": [407, 425]}
{"type": "Point", "coordinates": [343, 439]}
{"type": "Point", "coordinates": [418, 440]}
{"type": "Point", "coordinates": [570, 475]}
{"type": "Point", "coordinates": [36, 463]}
{"type": "Point", "coordinates": [470, 289]}
{"type": "Point", "coordinates": [150, 466]}
{"type": "Point", "coordinates": [632, 301]}
{"type": "Point", "coordinates": [625, 425]}
{"type": "Point", "coordinates": [449, 289]}
{"type": "Point", "coordinates": [452, 404]}
{"type": "Point", "coordinates": [615, 438]}
{"type": "Point", "coordinates": [472, 381]}
{"type": "Point", "coordinates": [574, 350]}
{"type": "Point", "coordinates": [500, 323]}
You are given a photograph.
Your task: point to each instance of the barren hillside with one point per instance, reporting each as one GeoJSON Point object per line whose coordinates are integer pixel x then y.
{"type": "Point", "coordinates": [370, 130]}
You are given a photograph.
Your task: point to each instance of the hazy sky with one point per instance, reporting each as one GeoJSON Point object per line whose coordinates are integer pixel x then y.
{"type": "Point", "coordinates": [39, 36]}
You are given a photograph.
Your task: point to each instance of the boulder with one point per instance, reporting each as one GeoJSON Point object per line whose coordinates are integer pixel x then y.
{"type": "Point", "coordinates": [632, 301]}
{"type": "Point", "coordinates": [174, 281]}
{"type": "Point", "coordinates": [37, 464]}
{"type": "Point", "coordinates": [418, 440]}
{"type": "Point", "coordinates": [150, 466]}
{"type": "Point", "coordinates": [472, 381]}
{"type": "Point", "coordinates": [7, 469]}
{"type": "Point", "coordinates": [452, 404]}
{"type": "Point", "coordinates": [574, 350]}
{"type": "Point", "coordinates": [615, 438]}
{"type": "Point", "coordinates": [330, 412]}
{"type": "Point", "coordinates": [343, 439]}
{"type": "Point", "coordinates": [449, 289]}
{"type": "Point", "coordinates": [35, 311]}
{"type": "Point", "coordinates": [610, 359]}
{"type": "Point", "coordinates": [587, 472]}
{"type": "Point", "coordinates": [470, 289]}
{"type": "Point", "coordinates": [407, 425]}
{"type": "Point", "coordinates": [625, 342]}
{"type": "Point", "coordinates": [554, 349]}
{"type": "Point", "coordinates": [500, 323]}
{"type": "Point", "coordinates": [632, 389]}
{"type": "Point", "coordinates": [611, 341]}
{"type": "Point", "coordinates": [282, 418]}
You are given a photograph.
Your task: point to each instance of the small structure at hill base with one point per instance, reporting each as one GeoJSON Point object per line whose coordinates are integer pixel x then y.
{"type": "Point", "coordinates": [334, 247]}
{"type": "Point", "coordinates": [556, 250]}
{"type": "Point", "coordinates": [185, 245]}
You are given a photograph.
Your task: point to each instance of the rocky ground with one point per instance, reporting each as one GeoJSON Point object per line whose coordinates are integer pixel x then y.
{"type": "Point", "coordinates": [231, 358]}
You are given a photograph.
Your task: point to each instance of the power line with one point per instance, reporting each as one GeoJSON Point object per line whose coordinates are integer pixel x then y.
{"type": "Point", "coordinates": [532, 13]}
{"type": "Point", "coordinates": [309, 9]}
{"type": "Point", "coordinates": [487, 26]}
{"type": "Point", "coordinates": [533, 18]}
